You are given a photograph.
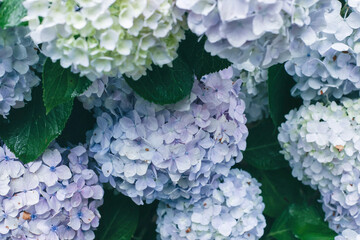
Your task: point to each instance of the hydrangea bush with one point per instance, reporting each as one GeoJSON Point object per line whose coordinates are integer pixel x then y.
{"type": "Point", "coordinates": [179, 119]}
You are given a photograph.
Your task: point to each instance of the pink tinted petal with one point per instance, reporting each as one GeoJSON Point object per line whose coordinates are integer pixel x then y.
{"type": "Point", "coordinates": [63, 172]}
{"type": "Point", "coordinates": [76, 200]}
{"type": "Point", "coordinates": [87, 192]}
{"type": "Point", "coordinates": [98, 192]}
{"type": "Point", "coordinates": [87, 215]}
{"type": "Point", "coordinates": [51, 157]}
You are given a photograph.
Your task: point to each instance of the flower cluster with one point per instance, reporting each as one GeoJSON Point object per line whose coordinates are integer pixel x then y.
{"type": "Point", "coordinates": [326, 63]}
{"type": "Point", "coordinates": [149, 151]}
{"type": "Point", "coordinates": [233, 210]}
{"type": "Point", "coordinates": [259, 31]}
{"type": "Point", "coordinates": [98, 38]}
{"type": "Point", "coordinates": [17, 55]}
{"type": "Point", "coordinates": [55, 197]}
{"type": "Point", "coordinates": [322, 145]}
{"type": "Point", "coordinates": [254, 91]}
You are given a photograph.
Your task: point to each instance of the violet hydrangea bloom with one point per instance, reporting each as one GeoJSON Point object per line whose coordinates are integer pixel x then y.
{"type": "Point", "coordinates": [152, 152]}
{"type": "Point", "coordinates": [55, 197]}
{"type": "Point", "coordinates": [233, 210]}
{"type": "Point", "coordinates": [98, 38]}
{"type": "Point", "coordinates": [256, 30]}
{"type": "Point", "coordinates": [322, 144]}
{"type": "Point", "coordinates": [17, 56]}
{"type": "Point", "coordinates": [326, 63]}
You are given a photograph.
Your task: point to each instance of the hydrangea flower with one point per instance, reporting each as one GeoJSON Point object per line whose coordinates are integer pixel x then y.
{"type": "Point", "coordinates": [233, 210]}
{"type": "Point", "coordinates": [17, 56]}
{"type": "Point", "coordinates": [326, 63]}
{"type": "Point", "coordinates": [322, 144]}
{"type": "Point", "coordinates": [257, 30]}
{"type": "Point", "coordinates": [98, 38]}
{"type": "Point", "coordinates": [149, 151]}
{"type": "Point", "coordinates": [254, 91]}
{"type": "Point", "coordinates": [55, 197]}
{"type": "Point", "coordinates": [348, 235]}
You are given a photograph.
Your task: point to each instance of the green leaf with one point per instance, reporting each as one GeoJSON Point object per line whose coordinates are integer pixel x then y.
{"type": "Point", "coordinates": [281, 230]}
{"type": "Point", "coordinates": [61, 85]}
{"type": "Point", "coordinates": [301, 221]}
{"type": "Point", "coordinates": [80, 121]}
{"type": "Point", "coordinates": [28, 131]}
{"type": "Point", "coordinates": [11, 13]}
{"type": "Point", "coordinates": [192, 51]}
{"type": "Point", "coordinates": [165, 85]}
{"type": "Point", "coordinates": [279, 189]}
{"type": "Point", "coordinates": [280, 99]}
{"type": "Point", "coordinates": [263, 148]}
{"type": "Point", "coordinates": [307, 222]}
{"type": "Point", "coordinates": [119, 218]}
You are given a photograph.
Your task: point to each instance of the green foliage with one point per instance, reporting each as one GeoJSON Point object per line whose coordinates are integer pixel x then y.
{"type": "Point", "coordinates": [169, 85]}
{"type": "Point", "coordinates": [28, 131]}
{"type": "Point", "coordinates": [263, 148]}
{"type": "Point", "coordinates": [80, 121]}
{"type": "Point", "coordinates": [192, 50]}
{"type": "Point", "coordinates": [165, 85]}
{"type": "Point", "coordinates": [61, 85]}
{"type": "Point", "coordinates": [280, 99]}
{"type": "Point", "coordinates": [279, 189]}
{"type": "Point", "coordinates": [119, 218]}
{"type": "Point", "coordinates": [11, 13]}
{"type": "Point", "coordinates": [301, 221]}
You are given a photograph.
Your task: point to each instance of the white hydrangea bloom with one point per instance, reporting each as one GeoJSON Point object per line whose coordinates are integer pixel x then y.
{"type": "Point", "coordinates": [348, 234]}
{"type": "Point", "coordinates": [254, 91]}
{"type": "Point", "coordinates": [107, 37]}
{"type": "Point", "coordinates": [354, 4]}
{"type": "Point", "coordinates": [322, 145]}
{"type": "Point", "coordinates": [17, 56]}
{"type": "Point", "coordinates": [329, 64]}
{"type": "Point", "coordinates": [256, 30]}
{"type": "Point", "coordinates": [233, 210]}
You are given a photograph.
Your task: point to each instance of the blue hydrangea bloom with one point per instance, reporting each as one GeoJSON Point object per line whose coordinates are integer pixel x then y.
{"type": "Point", "coordinates": [325, 64]}
{"type": "Point", "coordinates": [18, 55]}
{"type": "Point", "coordinates": [258, 31]}
{"type": "Point", "coordinates": [55, 197]}
{"type": "Point", "coordinates": [148, 152]}
{"type": "Point", "coordinates": [232, 210]}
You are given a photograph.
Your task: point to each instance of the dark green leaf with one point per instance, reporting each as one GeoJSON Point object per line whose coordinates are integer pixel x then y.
{"type": "Point", "coordinates": [11, 13]}
{"type": "Point", "coordinates": [281, 229]}
{"type": "Point", "coordinates": [61, 85]}
{"type": "Point", "coordinates": [80, 121]}
{"type": "Point", "coordinates": [192, 51]}
{"type": "Point", "coordinates": [165, 85]}
{"type": "Point", "coordinates": [146, 229]}
{"type": "Point", "coordinates": [280, 99]}
{"type": "Point", "coordinates": [279, 189]}
{"type": "Point", "coordinates": [263, 148]}
{"type": "Point", "coordinates": [303, 222]}
{"type": "Point", "coordinates": [307, 222]}
{"type": "Point", "coordinates": [119, 218]}
{"type": "Point", "coordinates": [28, 131]}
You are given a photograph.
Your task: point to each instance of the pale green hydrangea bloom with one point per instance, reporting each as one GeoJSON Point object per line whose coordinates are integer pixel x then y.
{"type": "Point", "coordinates": [107, 37]}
